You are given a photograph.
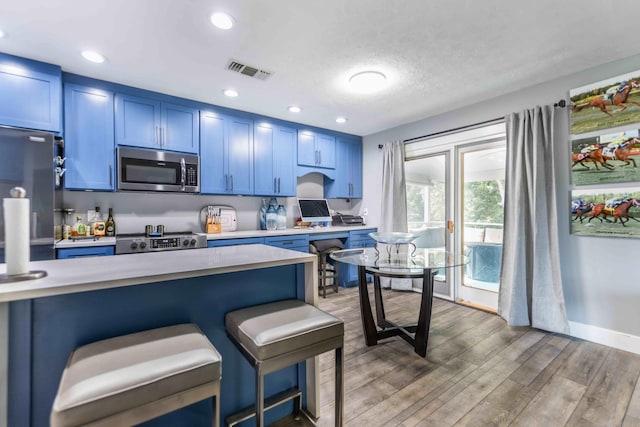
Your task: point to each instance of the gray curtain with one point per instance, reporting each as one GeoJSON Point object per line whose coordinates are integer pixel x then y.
{"type": "Point", "coordinates": [394, 200]}
{"type": "Point", "coordinates": [530, 283]}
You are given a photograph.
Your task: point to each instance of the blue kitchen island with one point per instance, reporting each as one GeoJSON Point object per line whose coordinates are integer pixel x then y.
{"type": "Point", "coordinates": [89, 299]}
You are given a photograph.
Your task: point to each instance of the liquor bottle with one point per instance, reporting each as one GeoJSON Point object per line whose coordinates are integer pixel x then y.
{"type": "Point", "coordinates": [79, 229]}
{"type": "Point", "coordinates": [110, 224]}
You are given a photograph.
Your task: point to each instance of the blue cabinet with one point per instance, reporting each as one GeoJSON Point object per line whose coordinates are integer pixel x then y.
{"type": "Point", "coordinates": [274, 160]}
{"type": "Point", "coordinates": [358, 239]}
{"type": "Point", "coordinates": [89, 138]}
{"type": "Point", "coordinates": [232, 242]}
{"type": "Point", "coordinates": [298, 242]}
{"type": "Point", "coordinates": [226, 154]}
{"type": "Point", "coordinates": [348, 178]}
{"type": "Point", "coordinates": [65, 253]}
{"type": "Point", "coordinates": [316, 150]}
{"type": "Point", "coordinates": [149, 123]}
{"type": "Point", "coordinates": [30, 94]}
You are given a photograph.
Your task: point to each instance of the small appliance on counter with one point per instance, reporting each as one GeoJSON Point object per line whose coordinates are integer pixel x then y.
{"type": "Point", "coordinates": [158, 240]}
{"type": "Point", "coordinates": [345, 219]}
{"type": "Point", "coordinates": [218, 215]}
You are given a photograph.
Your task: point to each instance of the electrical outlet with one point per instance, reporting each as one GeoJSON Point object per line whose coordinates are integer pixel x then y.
{"type": "Point", "coordinates": [365, 211]}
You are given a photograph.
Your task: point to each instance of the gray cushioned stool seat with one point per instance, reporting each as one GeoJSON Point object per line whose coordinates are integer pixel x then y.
{"type": "Point", "coordinates": [116, 375]}
{"type": "Point", "coordinates": [270, 330]}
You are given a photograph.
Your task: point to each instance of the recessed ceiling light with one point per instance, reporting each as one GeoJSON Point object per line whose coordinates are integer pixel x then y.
{"type": "Point", "coordinates": [92, 56]}
{"type": "Point", "coordinates": [222, 20]}
{"type": "Point", "coordinates": [230, 93]}
{"type": "Point", "coordinates": [368, 81]}
{"type": "Point", "coordinates": [294, 109]}
{"type": "Point", "coordinates": [341, 120]}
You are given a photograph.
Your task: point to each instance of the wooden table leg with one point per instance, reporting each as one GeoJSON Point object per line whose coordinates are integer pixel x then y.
{"type": "Point", "coordinates": [368, 325]}
{"type": "Point", "coordinates": [424, 319]}
{"type": "Point", "coordinates": [377, 292]}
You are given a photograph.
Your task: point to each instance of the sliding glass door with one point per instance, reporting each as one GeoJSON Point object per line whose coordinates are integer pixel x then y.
{"type": "Point", "coordinates": [455, 196]}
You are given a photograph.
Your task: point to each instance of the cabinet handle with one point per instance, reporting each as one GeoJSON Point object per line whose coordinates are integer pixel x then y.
{"type": "Point", "coordinates": [231, 177]}
{"type": "Point", "coordinates": [316, 154]}
{"type": "Point", "coordinates": [319, 157]}
{"type": "Point", "coordinates": [278, 185]}
{"type": "Point", "coordinates": [275, 185]}
{"type": "Point", "coordinates": [226, 182]}
{"type": "Point", "coordinates": [110, 175]}
{"type": "Point", "coordinates": [161, 136]}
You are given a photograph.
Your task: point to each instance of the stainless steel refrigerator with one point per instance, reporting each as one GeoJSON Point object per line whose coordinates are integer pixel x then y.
{"type": "Point", "coordinates": [27, 161]}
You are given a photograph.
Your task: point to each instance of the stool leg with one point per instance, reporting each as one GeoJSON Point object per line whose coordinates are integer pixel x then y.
{"type": "Point", "coordinates": [216, 410]}
{"type": "Point", "coordinates": [339, 398]}
{"type": "Point", "coordinates": [323, 275]}
{"type": "Point", "coordinates": [259, 396]}
{"type": "Point", "coordinates": [336, 276]}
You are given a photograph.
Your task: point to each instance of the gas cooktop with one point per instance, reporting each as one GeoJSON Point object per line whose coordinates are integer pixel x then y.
{"type": "Point", "coordinates": [139, 243]}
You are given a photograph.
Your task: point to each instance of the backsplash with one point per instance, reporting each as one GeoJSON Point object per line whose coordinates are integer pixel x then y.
{"type": "Point", "coordinates": [180, 212]}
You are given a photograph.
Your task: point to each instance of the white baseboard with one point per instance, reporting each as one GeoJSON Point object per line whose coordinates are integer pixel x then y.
{"type": "Point", "coordinates": [615, 339]}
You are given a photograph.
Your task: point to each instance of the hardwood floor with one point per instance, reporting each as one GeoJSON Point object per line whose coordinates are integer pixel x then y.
{"type": "Point", "coordinates": [478, 372]}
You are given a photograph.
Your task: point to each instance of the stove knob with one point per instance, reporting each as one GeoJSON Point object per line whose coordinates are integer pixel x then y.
{"type": "Point", "coordinates": [143, 245]}
{"type": "Point", "coordinates": [193, 242]}
{"type": "Point", "coordinates": [186, 242]}
{"type": "Point", "coordinates": [134, 245]}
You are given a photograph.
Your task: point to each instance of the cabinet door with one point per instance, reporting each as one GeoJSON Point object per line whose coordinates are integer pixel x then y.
{"type": "Point", "coordinates": [326, 146]}
{"type": "Point", "coordinates": [180, 128]}
{"type": "Point", "coordinates": [89, 142]}
{"type": "Point", "coordinates": [355, 169]}
{"type": "Point", "coordinates": [66, 253]}
{"type": "Point", "coordinates": [240, 159]}
{"type": "Point", "coordinates": [284, 161]}
{"type": "Point", "coordinates": [30, 94]}
{"type": "Point", "coordinates": [339, 188]}
{"type": "Point", "coordinates": [307, 155]}
{"type": "Point", "coordinates": [137, 121]}
{"type": "Point", "coordinates": [265, 181]}
{"type": "Point", "coordinates": [213, 175]}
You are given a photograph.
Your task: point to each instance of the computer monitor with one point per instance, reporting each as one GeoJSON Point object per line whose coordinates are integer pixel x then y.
{"type": "Point", "coordinates": [314, 210]}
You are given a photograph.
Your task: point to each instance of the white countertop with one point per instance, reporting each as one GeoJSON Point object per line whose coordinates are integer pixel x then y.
{"type": "Point", "coordinates": [107, 241]}
{"type": "Point", "coordinates": [86, 274]}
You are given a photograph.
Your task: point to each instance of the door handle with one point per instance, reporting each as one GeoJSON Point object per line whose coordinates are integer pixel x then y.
{"type": "Point", "coordinates": [183, 174]}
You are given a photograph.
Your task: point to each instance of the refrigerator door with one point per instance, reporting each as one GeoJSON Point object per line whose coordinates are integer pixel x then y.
{"type": "Point", "coordinates": [27, 162]}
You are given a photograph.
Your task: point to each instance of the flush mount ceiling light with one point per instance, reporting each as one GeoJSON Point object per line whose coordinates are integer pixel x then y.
{"type": "Point", "coordinates": [230, 93]}
{"type": "Point", "coordinates": [368, 81]}
{"type": "Point", "coordinates": [294, 109]}
{"type": "Point", "coordinates": [92, 56]}
{"type": "Point", "coordinates": [222, 20]}
{"type": "Point", "coordinates": [341, 120]}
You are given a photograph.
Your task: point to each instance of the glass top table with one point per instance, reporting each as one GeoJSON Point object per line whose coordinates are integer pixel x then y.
{"type": "Point", "coordinates": [401, 261]}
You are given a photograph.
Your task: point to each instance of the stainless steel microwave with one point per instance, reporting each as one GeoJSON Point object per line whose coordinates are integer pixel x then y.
{"type": "Point", "coordinates": [155, 170]}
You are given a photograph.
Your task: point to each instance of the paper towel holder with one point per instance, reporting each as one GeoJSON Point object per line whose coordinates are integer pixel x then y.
{"type": "Point", "coordinates": [18, 192]}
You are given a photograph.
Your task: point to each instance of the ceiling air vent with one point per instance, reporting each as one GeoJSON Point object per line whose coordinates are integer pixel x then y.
{"type": "Point", "coordinates": [248, 70]}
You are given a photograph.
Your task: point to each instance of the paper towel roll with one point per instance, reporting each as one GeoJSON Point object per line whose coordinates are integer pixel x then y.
{"type": "Point", "coordinates": [16, 234]}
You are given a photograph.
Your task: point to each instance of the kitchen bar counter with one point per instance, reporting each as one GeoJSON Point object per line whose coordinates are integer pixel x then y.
{"type": "Point", "coordinates": [85, 300]}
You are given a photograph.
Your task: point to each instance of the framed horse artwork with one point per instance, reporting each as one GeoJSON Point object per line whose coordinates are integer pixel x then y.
{"type": "Point", "coordinates": [606, 159]}
{"type": "Point", "coordinates": [606, 212]}
{"type": "Point", "coordinates": [605, 104]}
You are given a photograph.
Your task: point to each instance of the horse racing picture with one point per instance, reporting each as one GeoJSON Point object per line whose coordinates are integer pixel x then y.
{"type": "Point", "coordinates": [606, 159]}
{"type": "Point", "coordinates": [606, 104]}
{"type": "Point", "coordinates": [606, 212]}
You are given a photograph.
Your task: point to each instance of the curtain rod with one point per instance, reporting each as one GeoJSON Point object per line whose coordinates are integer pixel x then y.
{"type": "Point", "coordinates": [560, 104]}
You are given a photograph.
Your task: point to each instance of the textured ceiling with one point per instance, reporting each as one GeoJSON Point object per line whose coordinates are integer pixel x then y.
{"type": "Point", "coordinates": [438, 54]}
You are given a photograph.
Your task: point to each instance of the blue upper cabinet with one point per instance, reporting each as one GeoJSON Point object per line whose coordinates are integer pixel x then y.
{"type": "Point", "coordinates": [148, 123]}
{"type": "Point", "coordinates": [274, 160]}
{"type": "Point", "coordinates": [30, 94]}
{"type": "Point", "coordinates": [226, 154]}
{"type": "Point", "coordinates": [89, 138]}
{"type": "Point", "coordinates": [316, 150]}
{"type": "Point", "coordinates": [348, 177]}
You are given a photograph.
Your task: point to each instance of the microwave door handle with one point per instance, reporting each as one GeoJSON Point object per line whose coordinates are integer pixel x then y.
{"type": "Point", "coordinates": [183, 173]}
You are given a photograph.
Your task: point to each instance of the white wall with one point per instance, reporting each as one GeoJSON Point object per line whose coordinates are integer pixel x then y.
{"type": "Point", "coordinates": [600, 283]}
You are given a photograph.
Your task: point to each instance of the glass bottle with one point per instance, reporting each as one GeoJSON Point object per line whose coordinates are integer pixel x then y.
{"type": "Point", "coordinates": [110, 225]}
{"type": "Point", "coordinates": [79, 229]}
{"type": "Point", "coordinates": [263, 215]}
{"type": "Point", "coordinates": [282, 217]}
{"type": "Point", "coordinates": [273, 202]}
{"type": "Point", "coordinates": [272, 218]}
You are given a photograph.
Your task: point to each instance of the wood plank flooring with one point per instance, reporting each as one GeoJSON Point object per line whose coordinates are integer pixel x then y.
{"type": "Point", "coordinates": [478, 372]}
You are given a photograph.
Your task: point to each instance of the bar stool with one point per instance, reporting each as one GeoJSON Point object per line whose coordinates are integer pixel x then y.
{"type": "Point", "coordinates": [279, 334]}
{"type": "Point", "coordinates": [133, 378]}
{"type": "Point", "coordinates": [326, 270]}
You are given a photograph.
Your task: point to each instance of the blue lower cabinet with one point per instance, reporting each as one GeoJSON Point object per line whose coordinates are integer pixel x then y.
{"type": "Point", "coordinates": [358, 239]}
{"type": "Point", "coordinates": [65, 253]}
{"type": "Point", "coordinates": [231, 242]}
{"type": "Point", "coordinates": [296, 243]}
